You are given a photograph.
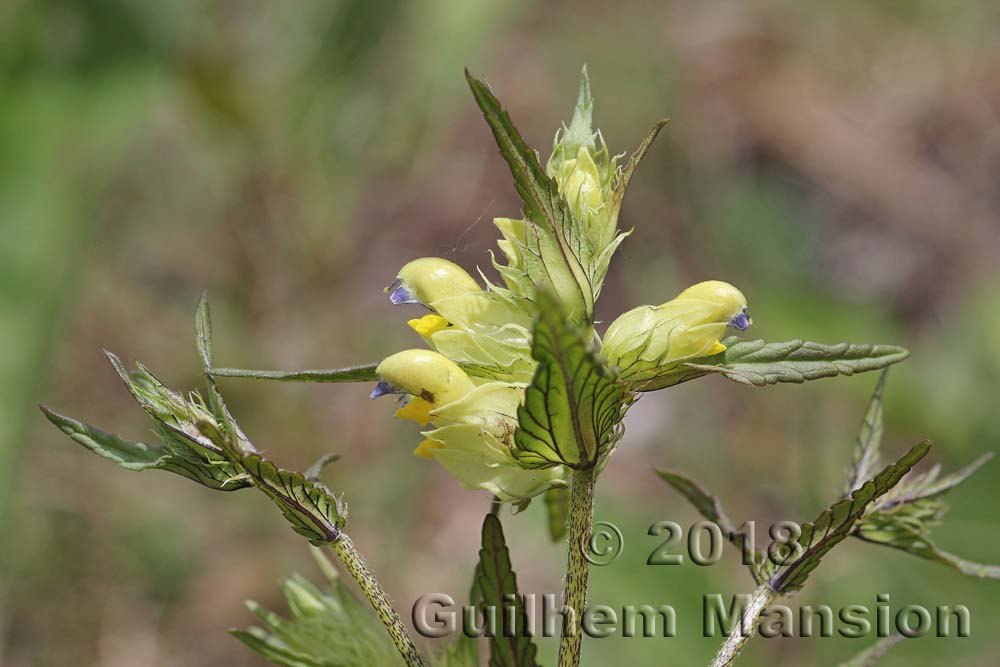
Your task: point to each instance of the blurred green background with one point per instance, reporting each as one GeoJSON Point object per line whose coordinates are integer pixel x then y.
{"type": "Point", "coordinates": [837, 161]}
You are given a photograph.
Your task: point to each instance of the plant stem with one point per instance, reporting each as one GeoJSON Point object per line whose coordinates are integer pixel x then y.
{"type": "Point", "coordinates": [730, 649]}
{"type": "Point", "coordinates": [355, 564]}
{"type": "Point", "coordinates": [581, 523]}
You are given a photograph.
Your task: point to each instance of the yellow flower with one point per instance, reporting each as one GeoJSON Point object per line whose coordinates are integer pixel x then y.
{"type": "Point", "coordinates": [649, 340]}
{"type": "Point", "coordinates": [473, 425]}
{"type": "Point", "coordinates": [487, 332]}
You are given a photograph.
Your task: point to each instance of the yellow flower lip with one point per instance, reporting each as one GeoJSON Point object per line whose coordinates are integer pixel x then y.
{"type": "Point", "coordinates": [428, 325]}
{"type": "Point", "coordinates": [417, 410]}
{"type": "Point", "coordinates": [425, 448]}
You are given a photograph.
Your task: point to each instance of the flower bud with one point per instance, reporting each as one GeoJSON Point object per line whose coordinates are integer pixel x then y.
{"type": "Point", "coordinates": [648, 341]}
{"type": "Point", "coordinates": [580, 184]}
{"type": "Point", "coordinates": [429, 279]}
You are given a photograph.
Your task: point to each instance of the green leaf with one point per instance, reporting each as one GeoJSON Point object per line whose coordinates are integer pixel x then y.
{"type": "Point", "coordinates": [868, 446]}
{"type": "Point", "coordinates": [557, 512]}
{"type": "Point", "coordinates": [312, 509]}
{"type": "Point", "coordinates": [836, 523]}
{"type": "Point", "coordinates": [129, 455]}
{"type": "Point", "coordinates": [706, 503]}
{"type": "Point", "coordinates": [309, 506]}
{"type": "Point", "coordinates": [270, 646]}
{"type": "Point", "coordinates": [711, 508]}
{"type": "Point", "coordinates": [359, 373]}
{"type": "Point", "coordinates": [329, 627]}
{"type": "Point", "coordinates": [758, 363]}
{"type": "Point", "coordinates": [215, 473]}
{"type": "Point", "coordinates": [573, 407]}
{"type": "Point", "coordinates": [870, 655]}
{"type": "Point", "coordinates": [464, 651]}
{"type": "Point", "coordinates": [625, 175]}
{"type": "Point", "coordinates": [930, 485]}
{"type": "Point", "coordinates": [184, 450]}
{"type": "Point", "coordinates": [203, 336]}
{"type": "Point", "coordinates": [902, 518]}
{"type": "Point", "coordinates": [313, 472]}
{"type": "Point", "coordinates": [203, 332]}
{"type": "Point", "coordinates": [556, 252]}
{"type": "Point", "coordinates": [498, 586]}
{"type": "Point", "coordinates": [898, 531]}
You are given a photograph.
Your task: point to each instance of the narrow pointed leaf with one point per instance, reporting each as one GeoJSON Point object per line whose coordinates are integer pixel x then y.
{"type": "Point", "coordinates": [890, 530]}
{"type": "Point", "coordinates": [835, 524]}
{"type": "Point", "coordinates": [706, 503]}
{"type": "Point", "coordinates": [129, 455]}
{"type": "Point", "coordinates": [573, 407]}
{"type": "Point", "coordinates": [557, 512]}
{"type": "Point", "coordinates": [870, 655]}
{"type": "Point", "coordinates": [759, 363]}
{"type": "Point", "coordinates": [868, 447]}
{"type": "Point", "coordinates": [203, 332]}
{"type": "Point", "coordinates": [224, 418]}
{"type": "Point", "coordinates": [464, 651]}
{"type": "Point", "coordinates": [220, 474]}
{"type": "Point", "coordinates": [931, 485]}
{"type": "Point", "coordinates": [557, 252]}
{"type": "Point", "coordinates": [313, 472]}
{"type": "Point", "coordinates": [625, 176]}
{"type": "Point", "coordinates": [359, 373]}
{"type": "Point", "coordinates": [949, 482]}
{"type": "Point", "coordinates": [498, 585]}
{"type": "Point", "coordinates": [711, 508]}
{"type": "Point", "coordinates": [274, 650]}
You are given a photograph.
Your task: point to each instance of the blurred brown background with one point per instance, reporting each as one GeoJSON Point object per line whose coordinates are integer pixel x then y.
{"type": "Point", "coordinates": [837, 161]}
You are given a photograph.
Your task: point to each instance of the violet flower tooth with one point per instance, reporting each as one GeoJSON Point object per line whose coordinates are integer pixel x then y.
{"type": "Point", "coordinates": [381, 389]}
{"type": "Point", "coordinates": [398, 294]}
{"type": "Point", "coordinates": [741, 321]}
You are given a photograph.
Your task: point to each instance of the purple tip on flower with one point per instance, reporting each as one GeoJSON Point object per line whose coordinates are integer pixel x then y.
{"type": "Point", "coordinates": [741, 321]}
{"type": "Point", "coordinates": [398, 294]}
{"type": "Point", "coordinates": [382, 388]}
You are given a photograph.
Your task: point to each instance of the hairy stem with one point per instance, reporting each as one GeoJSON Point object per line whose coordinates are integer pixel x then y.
{"type": "Point", "coordinates": [355, 564]}
{"type": "Point", "coordinates": [581, 523]}
{"type": "Point", "coordinates": [730, 649]}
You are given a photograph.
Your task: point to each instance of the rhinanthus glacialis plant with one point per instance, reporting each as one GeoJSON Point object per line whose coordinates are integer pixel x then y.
{"type": "Point", "coordinates": [520, 396]}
